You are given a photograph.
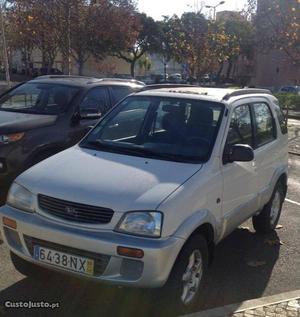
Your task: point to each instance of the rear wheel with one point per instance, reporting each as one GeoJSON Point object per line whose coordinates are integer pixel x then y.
{"type": "Point", "coordinates": [268, 219]}
{"type": "Point", "coordinates": [186, 282]}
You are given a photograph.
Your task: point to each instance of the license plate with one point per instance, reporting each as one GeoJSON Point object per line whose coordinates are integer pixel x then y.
{"type": "Point", "coordinates": [67, 261]}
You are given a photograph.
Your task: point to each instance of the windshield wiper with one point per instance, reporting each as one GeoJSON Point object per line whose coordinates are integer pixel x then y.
{"type": "Point", "coordinates": [135, 150]}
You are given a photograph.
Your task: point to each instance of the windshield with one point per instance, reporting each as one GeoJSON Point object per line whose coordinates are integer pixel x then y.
{"type": "Point", "coordinates": [38, 98]}
{"type": "Point", "coordinates": [174, 129]}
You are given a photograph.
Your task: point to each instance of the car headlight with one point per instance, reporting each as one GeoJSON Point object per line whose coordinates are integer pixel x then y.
{"type": "Point", "coordinates": [11, 138]}
{"type": "Point", "coordinates": [142, 223]}
{"type": "Point", "coordinates": [21, 198]}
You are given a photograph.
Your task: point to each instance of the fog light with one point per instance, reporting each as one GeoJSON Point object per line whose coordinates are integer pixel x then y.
{"type": "Point", "coordinates": [130, 252]}
{"type": "Point", "coordinates": [9, 223]}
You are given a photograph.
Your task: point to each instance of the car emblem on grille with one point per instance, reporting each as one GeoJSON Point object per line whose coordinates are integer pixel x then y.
{"type": "Point", "coordinates": [71, 211]}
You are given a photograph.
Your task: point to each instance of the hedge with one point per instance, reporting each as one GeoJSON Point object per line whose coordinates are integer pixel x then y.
{"type": "Point", "coordinates": [291, 101]}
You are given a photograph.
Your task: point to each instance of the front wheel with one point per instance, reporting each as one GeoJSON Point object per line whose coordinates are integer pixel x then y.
{"type": "Point", "coordinates": [186, 282]}
{"type": "Point", "coordinates": [268, 219]}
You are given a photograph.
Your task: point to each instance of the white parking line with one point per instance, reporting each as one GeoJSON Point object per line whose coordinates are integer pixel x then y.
{"type": "Point", "coordinates": [292, 202]}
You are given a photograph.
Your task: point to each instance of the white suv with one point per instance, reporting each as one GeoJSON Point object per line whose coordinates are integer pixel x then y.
{"type": "Point", "coordinates": [148, 193]}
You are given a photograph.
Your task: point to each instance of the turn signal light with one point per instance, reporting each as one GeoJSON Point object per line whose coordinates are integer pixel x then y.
{"type": "Point", "coordinates": [9, 223]}
{"type": "Point", "coordinates": [130, 252]}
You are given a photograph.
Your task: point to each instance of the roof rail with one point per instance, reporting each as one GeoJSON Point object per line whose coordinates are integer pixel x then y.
{"type": "Point", "coordinates": [246, 91]}
{"type": "Point", "coordinates": [122, 80]}
{"type": "Point", "coordinates": [62, 77]}
{"type": "Point", "coordinates": [159, 86]}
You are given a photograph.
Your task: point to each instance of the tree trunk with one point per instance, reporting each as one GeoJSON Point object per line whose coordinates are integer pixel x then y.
{"type": "Point", "coordinates": [220, 73]}
{"type": "Point", "coordinates": [132, 68]}
{"type": "Point", "coordinates": [229, 69]}
{"type": "Point", "coordinates": [80, 67]}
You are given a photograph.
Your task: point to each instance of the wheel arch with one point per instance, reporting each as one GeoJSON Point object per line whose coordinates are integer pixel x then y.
{"type": "Point", "coordinates": [207, 230]}
{"type": "Point", "coordinates": [200, 223]}
{"type": "Point", "coordinates": [280, 175]}
{"type": "Point", "coordinates": [283, 179]}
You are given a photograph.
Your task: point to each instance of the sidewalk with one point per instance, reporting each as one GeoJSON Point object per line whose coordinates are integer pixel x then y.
{"type": "Point", "coordinates": [282, 305]}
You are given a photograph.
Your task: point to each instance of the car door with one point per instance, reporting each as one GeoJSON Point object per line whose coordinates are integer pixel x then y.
{"type": "Point", "coordinates": [239, 178]}
{"type": "Point", "coordinates": [92, 106]}
{"type": "Point", "coordinates": [267, 150]}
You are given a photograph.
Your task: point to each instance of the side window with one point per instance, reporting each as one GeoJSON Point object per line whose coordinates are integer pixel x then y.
{"type": "Point", "coordinates": [281, 119]}
{"type": "Point", "coordinates": [240, 131]}
{"type": "Point", "coordinates": [120, 92]}
{"type": "Point", "coordinates": [265, 130]}
{"type": "Point", "coordinates": [97, 100]}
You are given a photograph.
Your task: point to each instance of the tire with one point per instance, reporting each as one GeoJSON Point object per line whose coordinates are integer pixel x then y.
{"type": "Point", "coordinates": [268, 219]}
{"type": "Point", "coordinates": [175, 293]}
{"type": "Point", "coordinates": [27, 268]}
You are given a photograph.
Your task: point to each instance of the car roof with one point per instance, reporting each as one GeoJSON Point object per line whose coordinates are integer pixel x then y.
{"type": "Point", "coordinates": [81, 81]}
{"type": "Point", "coordinates": [204, 93]}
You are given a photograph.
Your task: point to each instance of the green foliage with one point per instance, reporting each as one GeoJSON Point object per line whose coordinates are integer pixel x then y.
{"type": "Point", "coordinates": [291, 101]}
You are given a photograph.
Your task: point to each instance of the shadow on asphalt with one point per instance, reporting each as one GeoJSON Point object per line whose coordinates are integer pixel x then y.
{"type": "Point", "coordinates": [230, 280]}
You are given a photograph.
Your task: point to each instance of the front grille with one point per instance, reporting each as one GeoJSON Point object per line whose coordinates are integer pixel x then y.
{"type": "Point", "coordinates": [75, 212]}
{"type": "Point", "coordinates": [100, 260]}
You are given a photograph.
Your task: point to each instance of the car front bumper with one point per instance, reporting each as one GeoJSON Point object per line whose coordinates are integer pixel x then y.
{"type": "Point", "coordinates": [150, 271]}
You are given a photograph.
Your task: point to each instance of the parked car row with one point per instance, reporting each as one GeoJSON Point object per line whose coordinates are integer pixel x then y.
{"type": "Point", "coordinates": [290, 89]}
{"type": "Point", "coordinates": [143, 199]}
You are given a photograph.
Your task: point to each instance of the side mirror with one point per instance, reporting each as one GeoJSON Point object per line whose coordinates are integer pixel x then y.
{"type": "Point", "coordinates": [238, 153]}
{"type": "Point", "coordinates": [90, 113]}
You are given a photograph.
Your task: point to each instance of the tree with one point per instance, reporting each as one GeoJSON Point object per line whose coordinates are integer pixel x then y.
{"type": "Point", "coordinates": [76, 28]}
{"type": "Point", "coordinates": [278, 27]}
{"type": "Point", "coordinates": [238, 41]}
{"type": "Point", "coordinates": [186, 39]}
{"type": "Point", "coordinates": [21, 31]}
{"type": "Point", "coordinates": [111, 25]}
{"type": "Point", "coordinates": [146, 40]}
{"type": "Point", "coordinates": [32, 24]}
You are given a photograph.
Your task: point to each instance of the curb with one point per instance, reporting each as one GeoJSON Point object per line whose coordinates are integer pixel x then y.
{"type": "Point", "coordinates": [247, 305]}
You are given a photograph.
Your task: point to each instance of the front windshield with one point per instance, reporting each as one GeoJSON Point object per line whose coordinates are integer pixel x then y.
{"type": "Point", "coordinates": [38, 98]}
{"type": "Point", "coordinates": [174, 129]}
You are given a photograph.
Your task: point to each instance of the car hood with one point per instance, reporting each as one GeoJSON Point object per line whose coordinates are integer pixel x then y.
{"type": "Point", "coordinates": [12, 122]}
{"type": "Point", "coordinates": [115, 181]}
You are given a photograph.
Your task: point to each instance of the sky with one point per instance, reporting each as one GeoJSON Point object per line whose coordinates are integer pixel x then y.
{"type": "Point", "coordinates": [158, 8]}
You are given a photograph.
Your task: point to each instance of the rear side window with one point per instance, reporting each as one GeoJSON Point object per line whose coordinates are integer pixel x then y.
{"type": "Point", "coordinates": [265, 131]}
{"type": "Point", "coordinates": [240, 131]}
{"type": "Point", "coordinates": [281, 119]}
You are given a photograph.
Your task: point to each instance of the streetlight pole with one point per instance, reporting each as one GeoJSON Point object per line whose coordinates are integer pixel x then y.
{"type": "Point", "coordinates": [164, 47]}
{"type": "Point", "coordinates": [215, 9]}
{"type": "Point", "coordinates": [69, 39]}
{"type": "Point", "coordinates": [5, 55]}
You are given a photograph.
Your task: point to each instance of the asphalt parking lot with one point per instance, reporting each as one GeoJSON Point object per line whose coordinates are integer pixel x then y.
{"type": "Point", "coordinates": [246, 266]}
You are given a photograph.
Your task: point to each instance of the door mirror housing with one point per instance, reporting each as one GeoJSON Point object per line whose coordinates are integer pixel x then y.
{"type": "Point", "coordinates": [238, 153]}
{"type": "Point", "coordinates": [90, 113]}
